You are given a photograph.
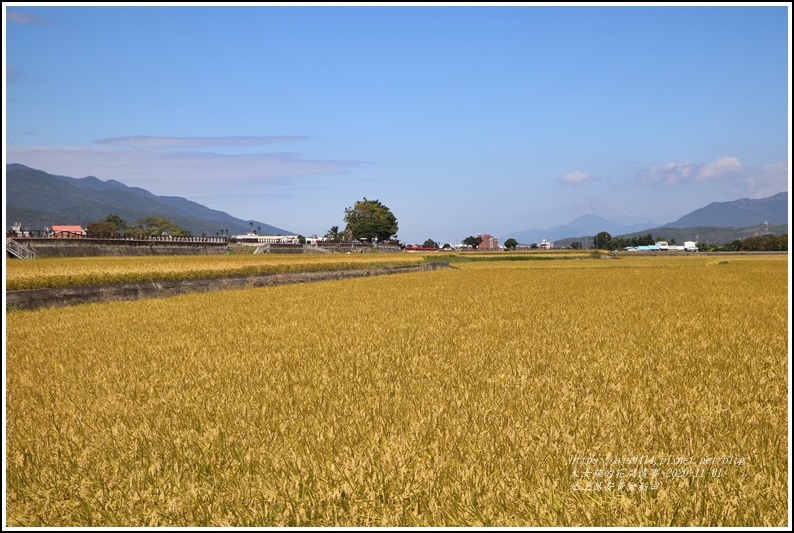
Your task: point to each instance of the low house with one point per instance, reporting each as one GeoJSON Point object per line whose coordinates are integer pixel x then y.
{"type": "Point", "coordinates": [642, 248]}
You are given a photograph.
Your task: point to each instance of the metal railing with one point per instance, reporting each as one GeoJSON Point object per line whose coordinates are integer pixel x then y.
{"type": "Point", "coordinates": [18, 250]}
{"type": "Point", "coordinates": [46, 234]}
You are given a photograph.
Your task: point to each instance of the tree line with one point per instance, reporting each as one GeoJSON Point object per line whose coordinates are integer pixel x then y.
{"type": "Point", "coordinates": [151, 227]}
{"type": "Point", "coordinates": [367, 220]}
{"type": "Point", "coordinates": [759, 243]}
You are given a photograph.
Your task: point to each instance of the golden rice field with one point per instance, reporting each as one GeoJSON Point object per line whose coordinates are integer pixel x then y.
{"type": "Point", "coordinates": [65, 272]}
{"type": "Point", "coordinates": [639, 391]}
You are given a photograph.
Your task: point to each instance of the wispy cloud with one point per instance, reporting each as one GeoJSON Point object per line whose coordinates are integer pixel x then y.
{"type": "Point", "coordinates": [724, 167]}
{"type": "Point", "coordinates": [668, 174]}
{"type": "Point", "coordinates": [577, 177]}
{"type": "Point", "coordinates": [142, 141]}
{"type": "Point", "coordinates": [753, 182]}
{"type": "Point", "coordinates": [13, 75]}
{"type": "Point", "coordinates": [24, 18]}
{"type": "Point", "coordinates": [765, 181]}
{"type": "Point", "coordinates": [174, 172]}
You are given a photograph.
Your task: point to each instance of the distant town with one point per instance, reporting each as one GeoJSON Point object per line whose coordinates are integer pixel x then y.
{"type": "Point", "coordinates": [20, 242]}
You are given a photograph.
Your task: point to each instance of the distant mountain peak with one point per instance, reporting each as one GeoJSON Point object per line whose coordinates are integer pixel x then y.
{"type": "Point", "coordinates": [589, 218]}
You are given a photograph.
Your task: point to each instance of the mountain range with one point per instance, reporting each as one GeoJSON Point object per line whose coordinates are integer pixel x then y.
{"type": "Point", "coordinates": [721, 222]}
{"type": "Point", "coordinates": [739, 213]}
{"type": "Point", "coordinates": [38, 200]}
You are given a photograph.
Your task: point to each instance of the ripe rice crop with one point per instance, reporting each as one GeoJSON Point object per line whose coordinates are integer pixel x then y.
{"type": "Point", "coordinates": [63, 272]}
{"type": "Point", "coordinates": [485, 395]}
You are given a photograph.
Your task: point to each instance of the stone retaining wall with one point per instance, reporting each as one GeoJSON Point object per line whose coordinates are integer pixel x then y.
{"type": "Point", "coordinates": [90, 247]}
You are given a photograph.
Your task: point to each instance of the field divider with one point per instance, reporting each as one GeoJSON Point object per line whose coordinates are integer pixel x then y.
{"type": "Point", "coordinates": [65, 296]}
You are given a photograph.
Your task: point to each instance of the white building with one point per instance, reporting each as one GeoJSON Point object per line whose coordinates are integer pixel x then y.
{"type": "Point", "coordinates": [254, 239]}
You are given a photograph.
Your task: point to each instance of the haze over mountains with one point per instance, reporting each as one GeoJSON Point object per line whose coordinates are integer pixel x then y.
{"type": "Point", "coordinates": [584, 225]}
{"type": "Point", "coordinates": [742, 213]}
{"type": "Point", "coordinates": [38, 200]}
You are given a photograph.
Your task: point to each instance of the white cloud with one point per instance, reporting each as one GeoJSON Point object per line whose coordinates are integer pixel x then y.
{"type": "Point", "coordinates": [728, 172]}
{"type": "Point", "coordinates": [143, 141]}
{"type": "Point", "coordinates": [765, 181]}
{"type": "Point", "coordinates": [668, 174]}
{"type": "Point", "coordinates": [720, 169]}
{"type": "Point", "coordinates": [23, 18]}
{"type": "Point", "coordinates": [577, 177]}
{"type": "Point", "coordinates": [179, 173]}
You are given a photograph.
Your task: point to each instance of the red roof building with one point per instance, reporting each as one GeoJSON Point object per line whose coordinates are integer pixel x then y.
{"type": "Point", "coordinates": [67, 231]}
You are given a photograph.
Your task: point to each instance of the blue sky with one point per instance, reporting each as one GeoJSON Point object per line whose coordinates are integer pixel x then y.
{"type": "Point", "coordinates": [462, 119]}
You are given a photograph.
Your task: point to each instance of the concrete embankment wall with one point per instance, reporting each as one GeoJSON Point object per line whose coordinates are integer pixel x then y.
{"type": "Point", "coordinates": [65, 296]}
{"type": "Point", "coordinates": [326, 247]}
{"type": "Point", "coordinates": [90, 247]}
{"type": "Point", "coordinates": [86, 247]}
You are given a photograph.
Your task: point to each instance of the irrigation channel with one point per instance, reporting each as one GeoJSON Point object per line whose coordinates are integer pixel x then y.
{"type": "Point", "coordinates": [74, 295]}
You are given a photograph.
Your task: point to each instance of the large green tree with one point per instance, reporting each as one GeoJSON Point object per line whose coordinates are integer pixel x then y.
{"type": "Point", "coordinates": [158, 226]}
{"type": "Point", "coordinates": [473, 241]}
{"type": "Point", "coordinates": [102, 228]}
{"type": "Point", "coordinates": [601, 241]}
{"type": "Point", "coordinates": [511, 243]}
{"type": "Point", "coordinates": [370, 219]}
{"type": "Point", "coordinates": [119, 223]}
{"type": "Point", "coordinates": [111, 225]}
